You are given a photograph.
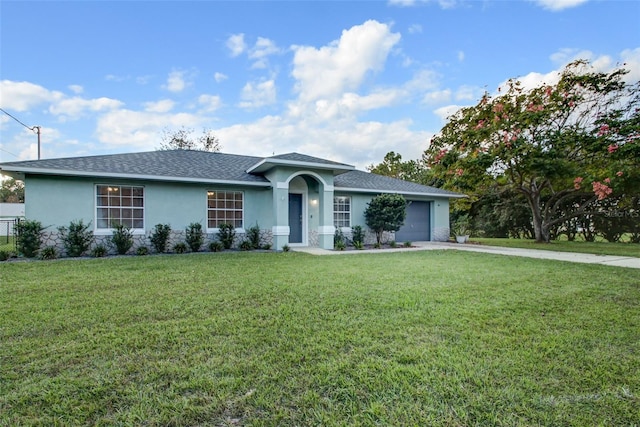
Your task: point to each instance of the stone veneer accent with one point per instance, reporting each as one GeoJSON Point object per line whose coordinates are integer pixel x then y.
{"type": "Point", "coordinates": [440, 234]}
{"type": "Point", "coordinates": [54, 238]}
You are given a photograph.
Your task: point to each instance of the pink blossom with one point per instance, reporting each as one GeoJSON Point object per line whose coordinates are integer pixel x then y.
{"type": "Point", "coordinates": [459, 172]}
{"type": "Point", "coordinates": [607, 180]}
{"type": "Point", "coordinates": [612, 148]}
{"type": "Point", "coordinates": [533, 107]}
{"type": "Point", "coordinates": [604, 129]}
{"type": "Point", "coordinates": [619, 173]}
{"type": "Point", "coordinates": [601, 190]}
{"type": "Point", "coordinates": [480, 124]}
{"type": "Point", "coordinates": [548, 91]}
{"type": "Point", "coordinates": [498, 108]}
{"type": "Point", "coordinates": [439, 156]}
{"type": "Point", "coordinates": [577, 182]}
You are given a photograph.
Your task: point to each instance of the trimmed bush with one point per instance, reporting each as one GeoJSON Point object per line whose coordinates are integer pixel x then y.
{"type": "Point", "coordinates": [226, 234]}
{"type": "Point", "coordinates": [160, 237]}
{"type": "Point", "coordinates": [122, 238]}
{"type": "Point", "coordinates": [180, 247]}
{"type": "Point", "coordinates": [142, 250]}
{"type": "Point", "coordinates": [194, 236]}
{"type": "Point", "coordinates": [357, 235]}
{"type": "Point", "coordinates": [253, 236]}
{"type": "Point", "coordinates": [77, 239]}
{"type": "Point", "coordinates": [29, 237]}
{"type": "Point", "coordinates": [216, 246]}
{"type": "Point", "coordinates": [49, 252]}
{"type": "Point", "coordinates": [99, 251]}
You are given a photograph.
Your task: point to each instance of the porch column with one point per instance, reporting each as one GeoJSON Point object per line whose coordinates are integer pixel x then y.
{"type": "Point", "coordinates": [326, 229]}
{"type": "Point", "coordinates": [280, 229]}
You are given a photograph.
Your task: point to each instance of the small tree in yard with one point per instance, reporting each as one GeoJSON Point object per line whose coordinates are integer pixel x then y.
{"type": "Point", "coordinates": [385, 212]}
{"type": "Point", "coordinates": [160, 237]}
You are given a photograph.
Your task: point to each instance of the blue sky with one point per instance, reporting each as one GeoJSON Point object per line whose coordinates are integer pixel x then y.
{"type": "Point", "coordinates": [348, 81]}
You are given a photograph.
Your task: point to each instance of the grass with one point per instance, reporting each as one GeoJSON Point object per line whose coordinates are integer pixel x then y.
{"type": "Point", "coordinates": [438, 338]}
{"type": "Point", "coordinates": [597, 248]}
{"type": "Point", "coordinates": [7, 244]}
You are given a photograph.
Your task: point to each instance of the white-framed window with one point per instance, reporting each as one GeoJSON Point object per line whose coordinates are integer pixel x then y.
{"type": "Point", "coordinates": [342, 211]}
{"type": "Point", "coordinates": [119, 204]}
{"type": "Point", "coordinates": [225, 207]}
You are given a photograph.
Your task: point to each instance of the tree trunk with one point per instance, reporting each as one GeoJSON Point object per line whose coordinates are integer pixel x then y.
{"type": "Point", "coordinates": [540, 228]}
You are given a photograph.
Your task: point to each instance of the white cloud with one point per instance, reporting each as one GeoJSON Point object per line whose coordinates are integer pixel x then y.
{"type": "Point", "coordinates": [557, 5]}
{"type": "Point", "coordinates": [219, 77]}
{"type": "Point", "coordinates": [176, 81]}
{"type": "Point", "coordinates": [255, 95]}
{"type": "Point", "coordinates": [77, 89]}
{"type": "Point", "coordinates": [444, 4]}
{"type": "Point", "coordinates": [437, 97]}
{"type": "Point", "coordinates": [468, 93]}
{"type": "Point", "coordinates": [460, 56]}
{"type": "Point", "coordinates": [446, 111]}
{"type": "Point", "coordinates": [210, 103]}
{"type": "Point", "coordinates": [415, 29]}
{"type": "Point", "coordinates": [74, 108]}
{"type": "Point", "coordinates": [236, 44]}
{"type": "Point", "coordinates": [261, 51]}
{"type": "Point", "coordinates": [343, 64]}
{"type": "Point", "coordinates": [162, 106]}
{"type": "Point", "coordinates": [22, 96]}
{"type": "Point", "coordinates": [138, 130]}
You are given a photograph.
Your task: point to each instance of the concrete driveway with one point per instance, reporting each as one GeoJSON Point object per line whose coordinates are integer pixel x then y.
{"type": "Point", "coordinates": [617, 261]}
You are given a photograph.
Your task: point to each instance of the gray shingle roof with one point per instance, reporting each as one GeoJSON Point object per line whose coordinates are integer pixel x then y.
{"type": "Point", "coordinates": [186, 165]}
{"type": "Point", "coordinates": [297, 157]}
{"type": "Point", "coordinates": [182, 164]}
{"type": "Point", "coordinates": [359, 180]}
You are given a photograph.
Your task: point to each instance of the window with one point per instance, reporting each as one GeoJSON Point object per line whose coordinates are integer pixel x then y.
{"type": "Point", "coordinates": [119, 204]}
{"type": "Point", "coordinates": [342, 211]}
{"type": "Point", "coordinates": [225, 207]}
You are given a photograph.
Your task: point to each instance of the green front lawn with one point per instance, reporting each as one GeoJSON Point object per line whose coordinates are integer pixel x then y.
{"type": "Point", "coordinates": [428, 338]}
{"type": "Point", "coordinates": [598, 248]}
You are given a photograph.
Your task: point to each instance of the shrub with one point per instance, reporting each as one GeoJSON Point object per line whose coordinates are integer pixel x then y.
{"type": "Point", "coordinates": [180, 248]}
{"type": "Point", "coordinates": [226, 234]}
{"type": "Point", "coordinates": [385, 212]}
{"type": "Point", "coordinates": [122, 238]}
{"type": "Point", "coordinates": [5, 255]}
{"type": "Point", "coordinates": [357, 235]}
{"type": "Point", "coordinates": [99, 251]}
{"type": "Point", "coordinates": [246, 245]}
{"type": "Point", "coordinates": [194, 236]}
{"type": "Point", "coordinates": [142, 250]}
{"type": "Point", "coordinates": [216, 246]}
{"type": "Point", "coordinates": [286, 248]}
{"type": "Point", "coordinates": [160, 237]}
{"type": "Point", "coordinates": [340, 246]}
{"type": "Point", "coordinates": [393, 244]}
{"type": "Point", "coordinates": [253, 236]}
{"type": "Point", "coordinates": [407, 244]}
{"type": "Point", "coordinates": [266, 246]}
{"type": "Point", "coordinates": [338, 238]}
{"type": "Point", "coordinates": [358, 245]}
{"type": "Point", "coordinates": [49, 252]}
{"type": "Point", "coordinates": [29, 237]}
{"type": "Point", "coordinates": [77, 239]}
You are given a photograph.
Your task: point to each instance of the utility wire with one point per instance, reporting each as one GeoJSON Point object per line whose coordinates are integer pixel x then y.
{"type": "Point", "coordinates": [30, 128]}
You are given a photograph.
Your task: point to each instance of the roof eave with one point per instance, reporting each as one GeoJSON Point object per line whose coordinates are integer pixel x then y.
{"type": "Point", "coordinates": [59, 172]}
{"type": "Point", "coordinates": [266, 164]}
{"type": "Point", "coordinates": [404, 193]}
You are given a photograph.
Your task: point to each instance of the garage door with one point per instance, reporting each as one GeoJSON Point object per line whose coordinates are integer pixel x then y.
{"type": "Point", "coordinates": [417, 225]}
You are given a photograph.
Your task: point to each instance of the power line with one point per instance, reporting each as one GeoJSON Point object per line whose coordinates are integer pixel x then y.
{"type": "Point", "coordinates": [35, 129]}
{"type": "Point", "coordinates": [17, 120]}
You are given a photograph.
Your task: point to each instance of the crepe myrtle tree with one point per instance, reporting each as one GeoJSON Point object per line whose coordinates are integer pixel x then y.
{"type": "Point", "coordinates": [385, 212]}
{"type": "Point", "coordinates": [574, 142]}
